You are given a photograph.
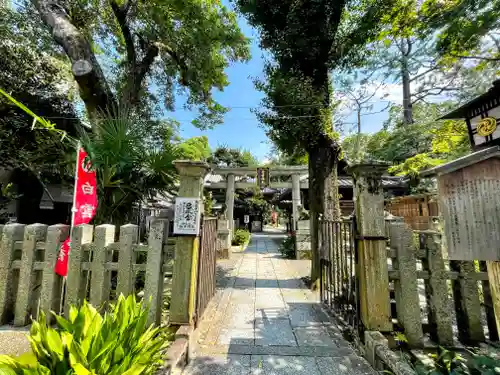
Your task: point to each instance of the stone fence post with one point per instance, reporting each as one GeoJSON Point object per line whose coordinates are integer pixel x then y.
{"type": "Point", "coordinates": [224, 238]}
{"type": "Point", "coordinates": [371, 246]}
{"type": "Point", "coordinates": [185, 269]}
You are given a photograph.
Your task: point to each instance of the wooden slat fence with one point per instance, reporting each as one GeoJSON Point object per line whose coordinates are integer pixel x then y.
{"type": "Point", "coordinates": [418, 211]}
{"type": "Point", "coordinates": [100, 268]}
{"type": "Point", "coordinates": [433, 297]}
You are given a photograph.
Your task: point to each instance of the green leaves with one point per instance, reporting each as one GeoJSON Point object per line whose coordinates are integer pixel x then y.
{"type": "Point", "coordinates": [114, 344]}
{"type": "Point", "coordinates": [240, 237]}
{"type": "Point", "coordinates": [224, 156]}
{"type": "Point", "coordinates": [413, 148]}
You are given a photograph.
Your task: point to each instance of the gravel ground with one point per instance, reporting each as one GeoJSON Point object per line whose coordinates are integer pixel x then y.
{"type": "Point", "coordinates": [13, 341]}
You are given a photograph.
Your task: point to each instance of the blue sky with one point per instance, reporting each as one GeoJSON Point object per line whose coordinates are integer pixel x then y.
{"type": "Point", "coordinates": [240, 127]}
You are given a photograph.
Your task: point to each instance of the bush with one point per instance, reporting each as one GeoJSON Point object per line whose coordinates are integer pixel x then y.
{"type": "Point", "coordinates": [120, 342]}
{"type": "Point", "coordinates": [240, 237]}
{"type": "Point", "coordinates": [287, 247]}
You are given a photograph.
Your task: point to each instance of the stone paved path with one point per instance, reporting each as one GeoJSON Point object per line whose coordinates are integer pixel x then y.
{"type": "Point", "coordinates": [264, 322]}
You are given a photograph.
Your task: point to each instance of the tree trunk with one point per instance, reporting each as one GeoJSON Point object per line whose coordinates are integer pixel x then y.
{"type": "Point", "coordinates": [357, 153]}
{"type": "Point", "coordinates": [94, 88]}
{"type": "Point", "coordinates": [323, 196]}
{"type": "Point", "coordinates": [405, 75]}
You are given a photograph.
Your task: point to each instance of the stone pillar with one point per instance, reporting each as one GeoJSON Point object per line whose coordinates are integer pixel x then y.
{"type": "Point", "coordinates": [224, 239]}
{"type": "Point", "coordinates": [230, 202]}
{"type": "Point", "coordinates": [295, 200]}
{"type": "Point", "coordinates": [185, 269]}
{"type": "Point", "coordinates": [372, 269]}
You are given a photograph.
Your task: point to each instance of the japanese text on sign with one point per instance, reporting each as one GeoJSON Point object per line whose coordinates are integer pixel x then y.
{"type": "Point", "coordinates": [187, 216]}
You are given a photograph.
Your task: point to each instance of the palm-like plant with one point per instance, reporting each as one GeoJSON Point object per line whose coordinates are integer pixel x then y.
{"type": "Point", "coordinates": [132, 163]}
{"type": "Point", "coordinates": [132, 156]}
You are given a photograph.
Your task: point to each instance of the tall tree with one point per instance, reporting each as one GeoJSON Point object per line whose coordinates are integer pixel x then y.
{"type": "Point", "coordinates": [437, 50]}
{"type": "Point", "coordinates": [30, 159]}
{"type": "Point", "coordinates": [307, 40]}
{"type": "Point", "coordinates": [147, 47]}
{"type": "Point", "coordinates": [358, 96]}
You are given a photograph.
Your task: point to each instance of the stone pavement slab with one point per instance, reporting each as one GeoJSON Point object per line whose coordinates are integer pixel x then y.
{"type": "Point", "coordinates": [268, 322]}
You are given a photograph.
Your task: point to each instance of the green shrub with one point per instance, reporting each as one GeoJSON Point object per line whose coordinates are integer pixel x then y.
{"type": "Point", "coordinates": [240, 237]}
{"type": "Point", "coordinates": [287, 247]}
{"type": "Point", "coordinates": [450, 362]}
{"type": "Point", "coordinates": [120, 342]}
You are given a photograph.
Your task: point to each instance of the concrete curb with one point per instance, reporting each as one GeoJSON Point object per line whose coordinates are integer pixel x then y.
{"type": "Point", "coordinates": [177, 352]}
{"type": "Point", "coordinates": [239, 249]}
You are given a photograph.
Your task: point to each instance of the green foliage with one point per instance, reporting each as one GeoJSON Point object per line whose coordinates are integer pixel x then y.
{"type": "Point", "coordinates": [33, 78]}
{"type": "Point", "coordinates": [150, 50]}
{"type": "Point", "coordinates": [307, 40]}
{"type": "Point", "coordinates": [252, 202]}
{"type": "Point", "coordinates": [195, 148]}
{"type": "Point", "coordinates": [277, 158]}
{"type": "Point", "coordinates": [413, 148]}
{"type": "Point", "coordinates": [129, 167]}
{"type": "Point", "coordinates": [208, 202]}
{"type": "Point", "coordinates": [240, 237]}
{"type": "Point", "coordinates": [287, 247]}
{"type": "Point", "coordinates": [224, 156]}
{"type": "Point", "coordinates": [445, 362]}
{"type": "Point", "coordinates": [462, 26]}
{"type": "Point", "coordinates": [119, 342]}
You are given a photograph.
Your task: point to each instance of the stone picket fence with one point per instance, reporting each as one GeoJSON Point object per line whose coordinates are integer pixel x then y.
{"type": "Point", "coordinates": [433, 297]}
{"type": "Point", "coordinates": [100, 268]}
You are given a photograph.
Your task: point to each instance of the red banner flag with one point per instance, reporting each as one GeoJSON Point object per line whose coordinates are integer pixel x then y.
{"type": "Point", "coordinates": [84, 205]}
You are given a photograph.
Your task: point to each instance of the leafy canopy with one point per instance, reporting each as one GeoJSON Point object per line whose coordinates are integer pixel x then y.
{"type": "Point", "coordinates": [224, 156]}
{"type": "Point", "coordinates": [412, 148]}
{"type": "Point", "coordinates": [147, 52]}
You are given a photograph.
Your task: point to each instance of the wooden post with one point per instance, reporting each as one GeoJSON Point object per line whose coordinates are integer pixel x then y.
{"type": "Point", "coordinates": [371, 246]}
{"type": "Point", "coordinates": [406, 287]}
{"type": "Point", "coordinates": [494, 276]}
{"type": "Point", "coordinates": [186, 249]}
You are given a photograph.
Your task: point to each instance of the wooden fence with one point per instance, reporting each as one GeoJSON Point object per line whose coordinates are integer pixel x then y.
{"type": "Point", "coordinates": [418, 211]}
{"type": "Point", "coordinates": [446, 300]}
{"type": "Point", "coordinates": [99, 268]}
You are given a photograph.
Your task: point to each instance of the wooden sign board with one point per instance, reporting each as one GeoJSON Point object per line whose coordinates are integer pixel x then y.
{"type": "Point", "coordinates": [187, 216]}
{"type": "Point", "coordinates": [470, 204]}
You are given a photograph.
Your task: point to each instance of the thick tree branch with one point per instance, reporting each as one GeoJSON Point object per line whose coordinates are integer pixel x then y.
{"type": "Point", "coordinates": [414, 78]}
{"type": "Point", "coordinates": [135, 78]}
{"type": "Point", "coordinates": [94, 89]}
{"type": "Point", "coordinates": [433, 91]}
{"type": "Point", "coordinates": [410, 46]}
{"type": "Point", "coordinates": [343, 47]}
{"type": "Point", "coordinates": [121, 13]}
{"type": "Point", "coordinates": [476, 57]}
{"type": "Point", "coordinates": [180, 62]}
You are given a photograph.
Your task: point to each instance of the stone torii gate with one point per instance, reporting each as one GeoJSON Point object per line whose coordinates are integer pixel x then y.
{"type": "Point", "coordinates": [232, 178]}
